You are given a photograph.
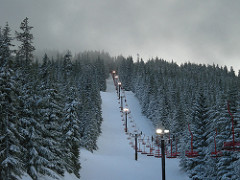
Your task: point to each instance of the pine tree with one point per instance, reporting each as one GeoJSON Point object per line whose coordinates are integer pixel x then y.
{"type": "Point", "coordinates": [11, 165]}
{"type": "Point", "coordinates": [236, 164]}
{"type": "Point", "coordinates": [35, 156]}
{"type": "Point", "coordinates": [214, 131]}
{"type": "Point", "coordinates": [227, 161]}
{"type": "Point", "coordinates": [52, 114]}
{"type": "Point", "coordinates": [5, 40]}
{"type": "Point", "coordinates": [100, 74]}
{"type": "Point", "coordinates": [200, 118]}
{"type": "Point", "coordinates": [1, 47]}
{"type": "Point", "coordinates": [71, 134]}
{"type": "Point", "coordinates": [67, 66]}
{"type": "Point", "coordinates": [46, 72]}
{"type": "Point", "coordinates": [25, 37]}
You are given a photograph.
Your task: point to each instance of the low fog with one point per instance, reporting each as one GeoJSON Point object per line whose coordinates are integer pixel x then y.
{"type": "Point", "coordinates": [195, 31]}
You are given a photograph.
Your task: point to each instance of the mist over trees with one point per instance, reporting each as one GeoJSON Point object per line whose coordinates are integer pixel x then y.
{"type": "Point", "coordinates": [51, 107]}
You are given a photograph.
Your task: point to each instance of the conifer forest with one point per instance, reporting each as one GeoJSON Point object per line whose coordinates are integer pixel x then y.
{"type": "Point", "coordinates": [50, 108]}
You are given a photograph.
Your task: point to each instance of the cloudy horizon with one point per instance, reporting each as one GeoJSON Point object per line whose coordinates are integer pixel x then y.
{"type": "Point", "coordinates": [182, 31]}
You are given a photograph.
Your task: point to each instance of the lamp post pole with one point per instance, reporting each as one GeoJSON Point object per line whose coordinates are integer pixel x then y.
{"type": "Point", "coordinates": [126, 111]}
{"type": "Point", "coordinates": [163, 159]}
{"type": "Point", "coordinates": [121, 102]}
{"type": "Point", "coordinates": [119, 89]}
{"type": "Point", "coordinates": [136, 154]}
{"type": "Point", "coordinates": [160, 133]}
{"type": "Point", "coordinates": [136, 144]}
{"type": "Point", "coordinates": [125, 121]}
{"type": "Point", "coordinates": [113, 75]}
{"type": "Point", "coordinates": [115, 81]}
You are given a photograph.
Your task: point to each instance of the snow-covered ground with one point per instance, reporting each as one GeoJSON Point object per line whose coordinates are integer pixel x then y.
{"type": "Point", "coordinates": [114, 160]}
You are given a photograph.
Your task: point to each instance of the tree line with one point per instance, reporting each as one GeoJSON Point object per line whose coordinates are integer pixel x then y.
{"type": "Point", "coordinates": [175, 96]}
{"type": "Point", "coordinates": [49, 109]}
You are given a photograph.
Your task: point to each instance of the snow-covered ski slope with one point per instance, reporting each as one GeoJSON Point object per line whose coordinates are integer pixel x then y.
{"type": "Point", "coordinates": [114, 160]}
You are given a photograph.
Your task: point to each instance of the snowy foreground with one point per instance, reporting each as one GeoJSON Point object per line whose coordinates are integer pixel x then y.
{"type": "Point", "coordinates": [114, 160]}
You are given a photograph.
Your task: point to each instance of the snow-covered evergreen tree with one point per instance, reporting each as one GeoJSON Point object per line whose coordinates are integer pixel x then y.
{"type": "Point", "coordinates": [200, 120]}
{"type": "Point", "coordinates": [52, 114]}
{"type": "Point", "coordinates": [72, 137]}
{"type": "Point", "coordinates": [25, 37]}
{"type": "Point", "coordinates": [11, 164]}
{"type": "Point", "coordinates": [174, 102]}
{"type": "Point", "coordinates": [67, 66]}
{"type": "Point", "coordinates": [226, 163]}
{"type": "Point", "coordinates": [91, 117]}
{"type": "Point", "coordinates": [100, 74]}
{"type": "Point", "coordinates": [35, 155]}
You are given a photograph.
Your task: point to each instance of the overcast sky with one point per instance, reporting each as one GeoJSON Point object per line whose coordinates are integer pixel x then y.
{"type": "Point", "coordinates": [201, 31]}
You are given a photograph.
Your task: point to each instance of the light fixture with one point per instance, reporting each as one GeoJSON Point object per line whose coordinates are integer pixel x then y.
{"type": "Point", "coordinates": [125, 109]}
{"type": "Point", "coordinates": [159, 131]}
{"type": "Point", "coordinates": [166, 131]}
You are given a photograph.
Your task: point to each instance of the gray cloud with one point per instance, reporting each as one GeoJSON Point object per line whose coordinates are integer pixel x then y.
{"type": "Point", "coordinates": [186, 30]}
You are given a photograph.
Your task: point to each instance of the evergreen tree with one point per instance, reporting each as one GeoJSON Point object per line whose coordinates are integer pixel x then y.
{"type": "Point", "coordinates": [52, 114]}
{"type": "Point", "coordinates": [5, 44]}
{"type": "Point", "coordinates": [11, 165]}
{"type": "Point", "coordinates": [1, 47]}
{"type": "Point", "coordinates": [25, 37]}
{"type": "Point", "coordinates": [200, 118]}
{"type": "Point", "coordinates": [72, 137]}
{"type": "Point", "coordinates": [67, 66]}
{"type": "Point", "coordinates": [100, 74]}
{"type": "Point", "coordinates": [35, 155]}
{"type": "Point", "coordinates": [226, 163]}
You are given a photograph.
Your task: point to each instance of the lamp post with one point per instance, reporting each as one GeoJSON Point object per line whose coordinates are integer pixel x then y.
{"type": "Point", "coordinates": [136, 155]}
{"type": "Point", "coordinates": [126, 112]}
{"type": "Point", "coordinates": [136, 135]}
{"type": "Point", "coordinates": [113, 75]}
{"type": "Point", "coordinates": [119, 89]}
{"type": "Point", "coordinates": [121, 103]}
{"type": "Point", "coordinates": [115, 80]}
{"type": "Point", "coordinates": [161, 132]}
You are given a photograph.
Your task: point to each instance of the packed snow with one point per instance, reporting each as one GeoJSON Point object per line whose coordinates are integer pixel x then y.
{"type": "Point", "coordinates": [115, 159]}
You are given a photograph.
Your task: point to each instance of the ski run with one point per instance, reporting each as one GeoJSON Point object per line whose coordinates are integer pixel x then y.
{"type": "Point", "coordinates": [115, 158]}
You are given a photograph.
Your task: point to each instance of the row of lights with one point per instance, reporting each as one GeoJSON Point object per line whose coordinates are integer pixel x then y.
{"type": "Point", "coordinates": [159, 131]}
